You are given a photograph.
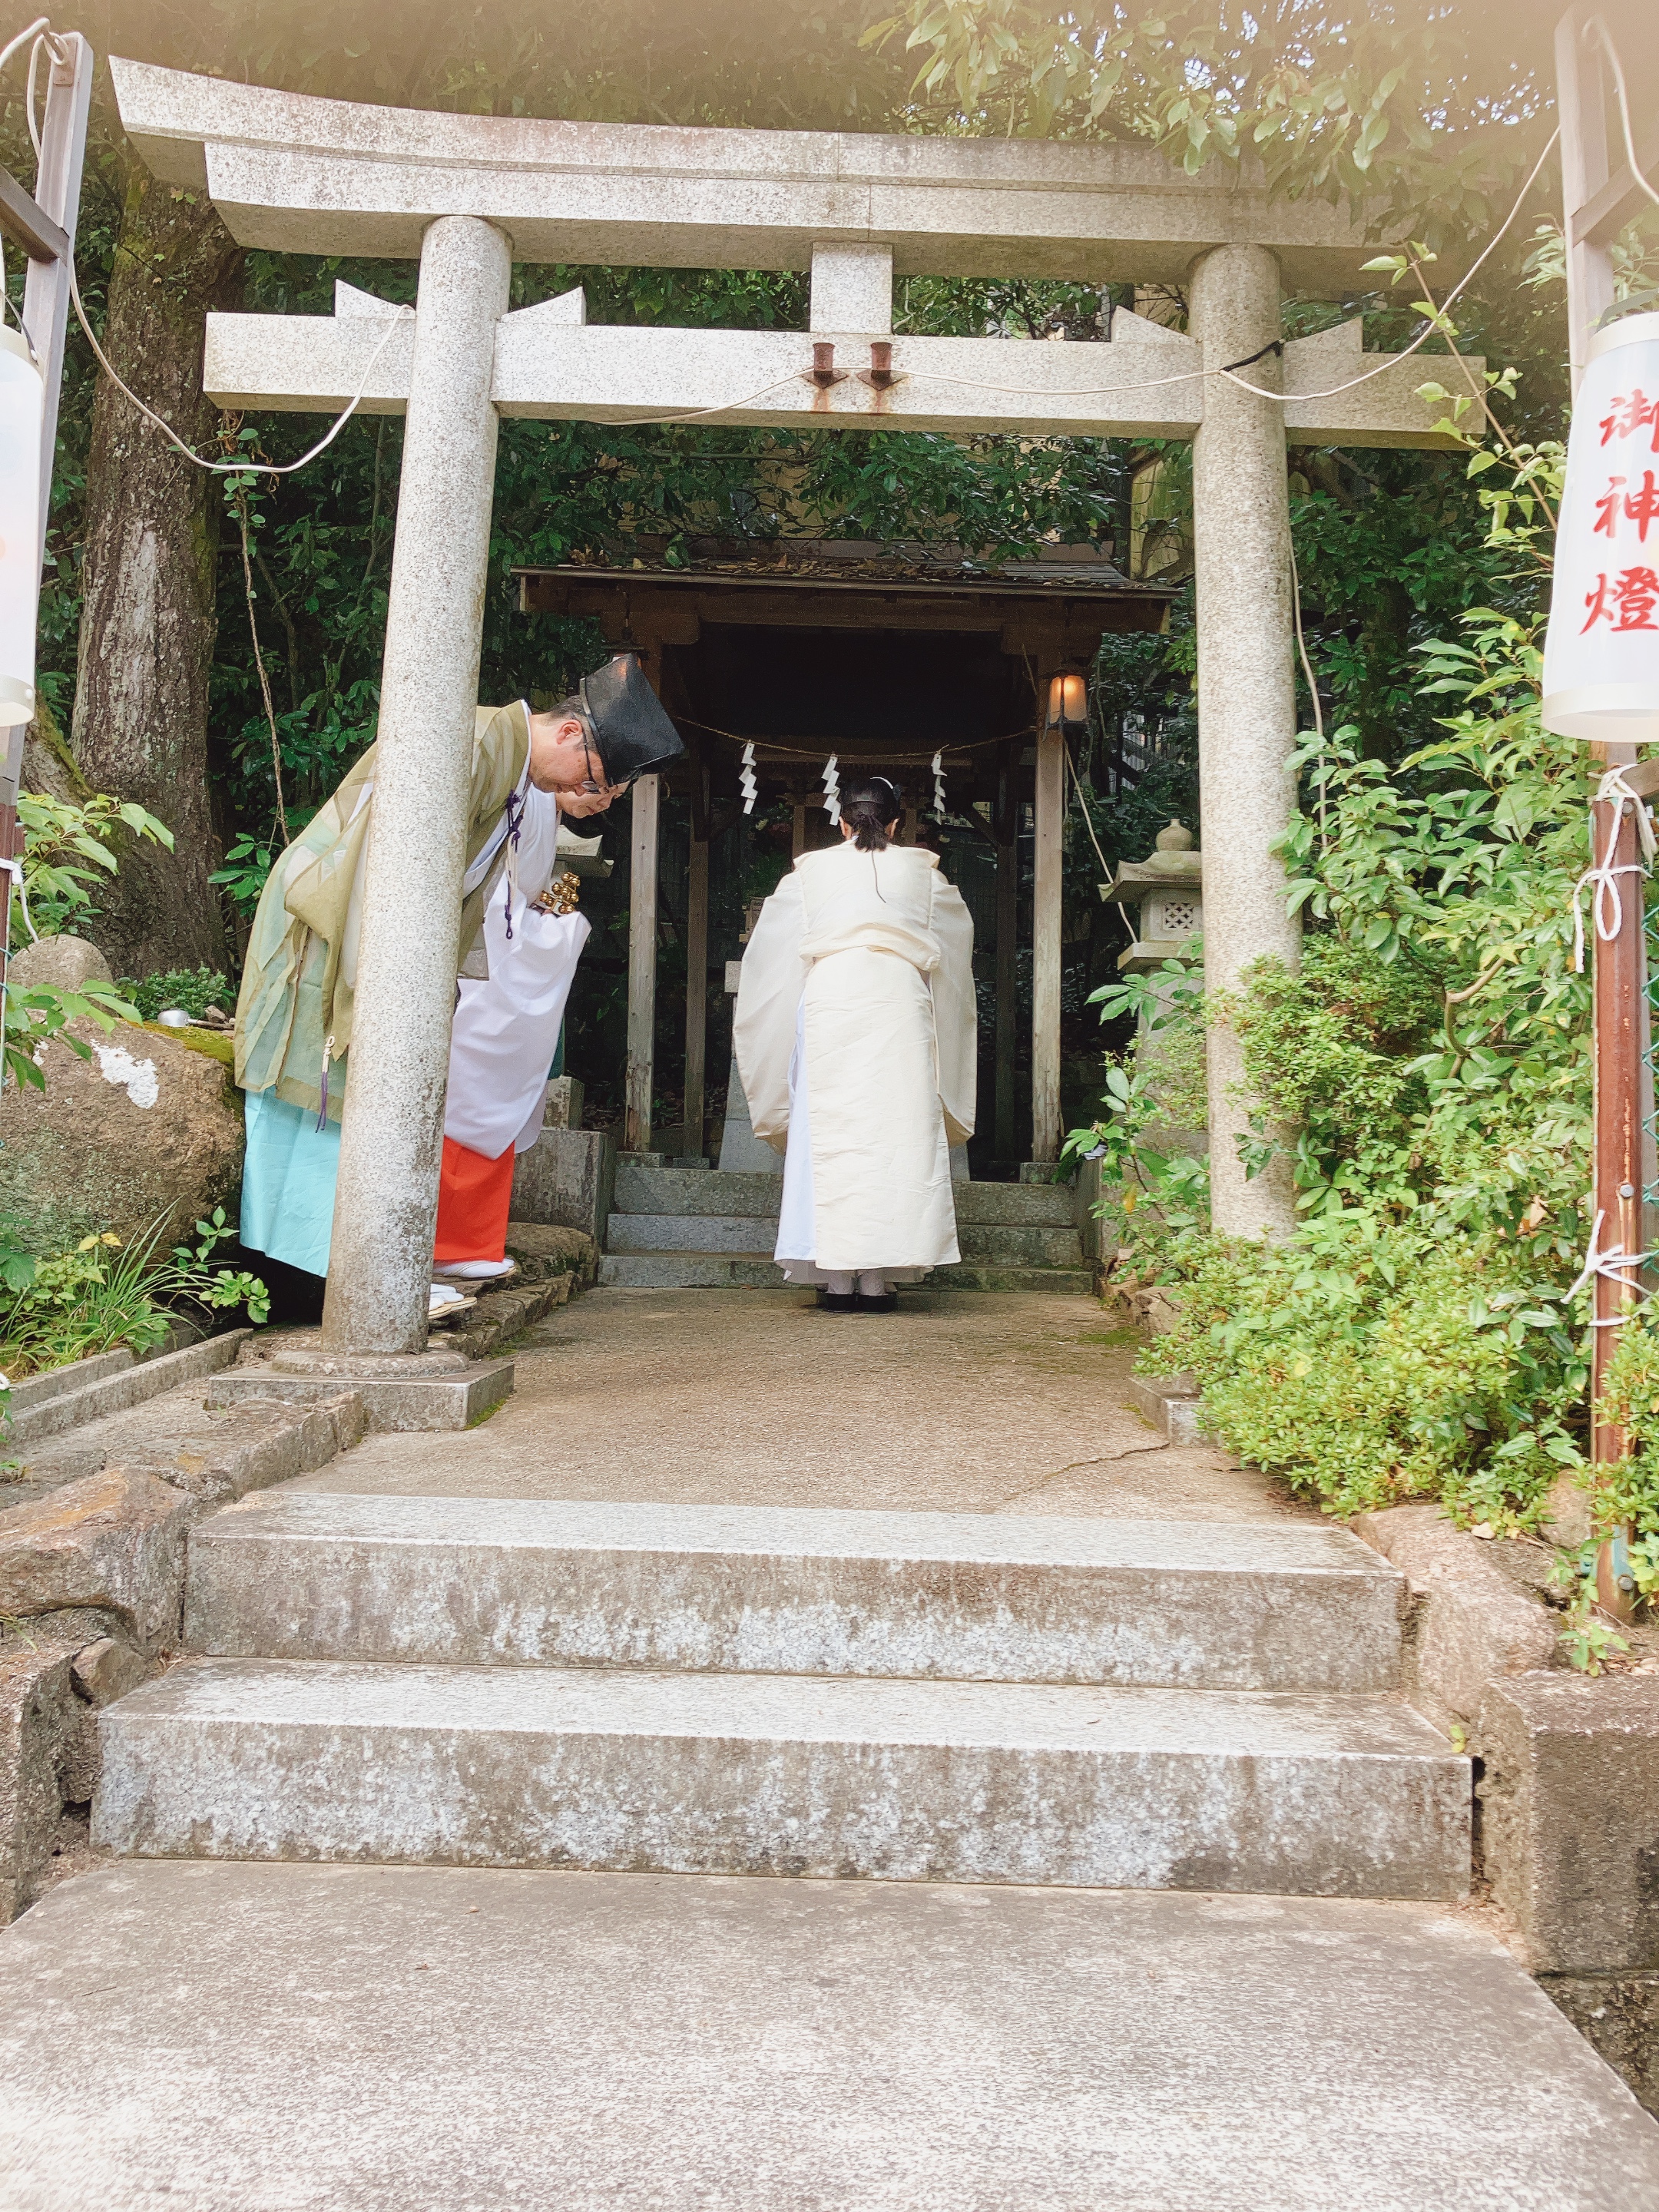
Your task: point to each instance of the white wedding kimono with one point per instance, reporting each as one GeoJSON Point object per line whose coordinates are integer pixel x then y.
{"type": "Point", "coordinates": [856, 1034]}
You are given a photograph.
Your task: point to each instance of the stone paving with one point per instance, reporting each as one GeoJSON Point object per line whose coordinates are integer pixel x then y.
{"type": "Point", "coordinates": [959, 1403]}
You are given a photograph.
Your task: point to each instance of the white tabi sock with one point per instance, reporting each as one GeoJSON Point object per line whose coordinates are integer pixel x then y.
{"type": "Point", "coordinates": [839, 1286]}
{"type": "Point", "coordinates": [873, 1284]}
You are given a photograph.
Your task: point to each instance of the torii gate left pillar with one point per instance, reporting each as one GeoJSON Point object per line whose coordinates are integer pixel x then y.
{"type": "Point", "coordinates": [391, 1141]}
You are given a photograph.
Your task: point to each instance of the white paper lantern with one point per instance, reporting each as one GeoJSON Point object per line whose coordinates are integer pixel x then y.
{"type": "Point", "coordinates": [1602, 657]}
{"type": "Point", "coordinates": [22, 404]}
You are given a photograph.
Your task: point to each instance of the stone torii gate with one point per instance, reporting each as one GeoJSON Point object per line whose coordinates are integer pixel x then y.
{"type": "Point", "coordinates": [467, 195]}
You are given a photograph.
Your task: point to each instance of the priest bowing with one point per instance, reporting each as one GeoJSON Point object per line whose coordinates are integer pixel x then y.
{"type": "Point", "coordinates": [517, 948]}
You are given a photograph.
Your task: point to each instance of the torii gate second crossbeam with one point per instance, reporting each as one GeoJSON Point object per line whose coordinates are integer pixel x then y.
{"type": "Point", "coordinates": [470, 194]}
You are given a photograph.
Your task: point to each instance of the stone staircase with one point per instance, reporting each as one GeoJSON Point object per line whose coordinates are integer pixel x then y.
{"type": "Point", "coordinates": [943, 1698]}
{"type": "Point", "coordinates": [708, 1228]}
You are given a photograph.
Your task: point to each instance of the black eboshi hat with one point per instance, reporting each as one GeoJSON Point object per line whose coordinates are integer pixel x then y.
{"type": "Point", "coordinates": [632, 734]}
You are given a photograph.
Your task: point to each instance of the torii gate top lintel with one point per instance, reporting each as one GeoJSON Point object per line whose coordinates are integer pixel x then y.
{"type": "Point", "coordinates": [292, 173]}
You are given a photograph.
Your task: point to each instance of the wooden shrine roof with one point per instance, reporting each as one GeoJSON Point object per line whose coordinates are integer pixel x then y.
{"type": "Point", "coordinates": [1061, 602]}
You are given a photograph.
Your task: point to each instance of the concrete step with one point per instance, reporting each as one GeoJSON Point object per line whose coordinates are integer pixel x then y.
{"type": "Point", "coordinates": [374, 2039]}
{"type": "Point", "coordinates": [743, 1234]}
{"type": "Point", "coordinates": [481, 1582]}
{"type": "Point", "coordinates": [1015, 1205]}
{"type": "Point", "coordinates": [641, 1189]}
{"type": "Point", "coordinates": [966, 1782]}
{"type": "Point", "coordinates": [746, 1234]}
{"type": "Point", "coordinates": [698, 1271]}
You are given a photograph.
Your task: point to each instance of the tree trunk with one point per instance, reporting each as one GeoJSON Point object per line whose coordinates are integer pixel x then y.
{"type": "Point", "coordinates": [148, 622]}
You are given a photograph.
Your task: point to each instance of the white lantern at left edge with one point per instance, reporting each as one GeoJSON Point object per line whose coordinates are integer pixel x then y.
{"type": "Point", "coordinates": [22, 407]}
{"type": "Point", "coordinates": [1602, 658]}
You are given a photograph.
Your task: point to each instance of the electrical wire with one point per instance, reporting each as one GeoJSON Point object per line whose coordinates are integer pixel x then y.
{"type": "Point", "coordinates": [1598, 24]}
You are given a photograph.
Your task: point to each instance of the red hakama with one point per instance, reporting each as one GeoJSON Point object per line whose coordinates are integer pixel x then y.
{"type": "Point", "coordinates": [475, 1196]}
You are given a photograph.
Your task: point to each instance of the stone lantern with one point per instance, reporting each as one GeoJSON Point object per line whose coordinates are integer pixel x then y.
{"type": "Point", "coordinates": [1166, 890]}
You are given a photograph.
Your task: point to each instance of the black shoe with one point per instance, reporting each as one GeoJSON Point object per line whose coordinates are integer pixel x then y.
{"type": "Point", "coordinates": [840, 1302]}
{"type": "Point", "coordinates": [887, 1302]}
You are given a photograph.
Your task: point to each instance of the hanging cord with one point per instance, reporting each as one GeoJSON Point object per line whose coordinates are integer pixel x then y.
{"type": "Point", "coordinates": [1598, 24]}
{"type": "Point", "coordinates": [238, 507]}
{"type": "Point", "coordinates": [1607, 902]}
{"type": "Point", "coordinates": [1083, 809]}
{"type": "Point", "coordinates": [1313, 689]}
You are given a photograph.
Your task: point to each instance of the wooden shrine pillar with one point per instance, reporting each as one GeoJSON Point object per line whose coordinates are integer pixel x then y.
{"type": "Point", "coordinates": [1005, 827]}
{"type": "Point", "coordinates": [696, 961]}
{"type": "Point", "coordinates": [641, 1076]}
{"type": "Point", "coordinates": [1046, 924]}
{"type": "Point", "coordinates": [641, 964]}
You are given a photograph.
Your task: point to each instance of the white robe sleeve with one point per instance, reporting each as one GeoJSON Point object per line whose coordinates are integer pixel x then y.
{"type": "Point", "coordinates": [764, 1025]}
{"type": "Point", "coordinates": [956, 1011]}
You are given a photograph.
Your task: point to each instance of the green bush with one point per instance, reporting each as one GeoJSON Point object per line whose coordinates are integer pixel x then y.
{"type": "Point", "coordinates": [103, 1294]}
{"type": "Point", "coordinates": [194, 989]}
{"type": "Point", "coordinates": [1425, 1075]}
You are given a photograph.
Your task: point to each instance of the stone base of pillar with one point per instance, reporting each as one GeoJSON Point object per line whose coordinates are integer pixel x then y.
{"type": "Point", "coordinates": [431, 1391]}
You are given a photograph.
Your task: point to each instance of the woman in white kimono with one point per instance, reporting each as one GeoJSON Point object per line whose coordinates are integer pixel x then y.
{"type": "Point", "coordinates": [856, 1036]}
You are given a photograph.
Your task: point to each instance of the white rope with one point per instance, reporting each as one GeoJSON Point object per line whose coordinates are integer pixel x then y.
{"type": "Point", "coordinates": [1614, 1266]}
{"type": "Point", "coordinates": [1424, 336]}
{"type": "Point", "coordinates": [1608, 903]}
{"type": "Point", "coordinates": [40, 23]}
{"type": "Point", "coordinates": [15, 870]}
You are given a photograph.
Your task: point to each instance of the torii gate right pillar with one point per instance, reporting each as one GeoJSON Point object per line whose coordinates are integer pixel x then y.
{"type": "Point", "coordinates": [1246, 691]}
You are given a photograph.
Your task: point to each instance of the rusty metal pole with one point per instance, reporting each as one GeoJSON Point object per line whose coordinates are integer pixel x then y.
{"type": "Point", "coordinates": [1619, 974]}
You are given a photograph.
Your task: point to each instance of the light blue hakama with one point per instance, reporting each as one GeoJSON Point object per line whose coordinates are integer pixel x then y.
{"type": "Point", "coordinates": [287, 1182]}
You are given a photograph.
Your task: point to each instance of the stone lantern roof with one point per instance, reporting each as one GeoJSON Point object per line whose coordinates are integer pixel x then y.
{"type": "Point", "coordinates": [1165, 890]}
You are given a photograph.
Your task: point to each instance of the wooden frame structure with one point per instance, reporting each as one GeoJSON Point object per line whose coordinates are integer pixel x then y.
{"type": "Point", "coordinates": [1039, 617]}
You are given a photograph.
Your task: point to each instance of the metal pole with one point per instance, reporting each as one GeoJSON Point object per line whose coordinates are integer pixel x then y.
{"type": "Point", "coordinates": [1619, 980]}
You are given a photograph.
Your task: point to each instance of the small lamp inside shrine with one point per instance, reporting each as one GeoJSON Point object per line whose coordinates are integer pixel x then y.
{"type": "Point", "coordinates": [23, 406]}
{"type": "Point", "coordinates": [1601, 656]}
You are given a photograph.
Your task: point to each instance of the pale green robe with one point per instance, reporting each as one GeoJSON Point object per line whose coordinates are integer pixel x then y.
{"type": "Point", "coordinates": [297, 992]}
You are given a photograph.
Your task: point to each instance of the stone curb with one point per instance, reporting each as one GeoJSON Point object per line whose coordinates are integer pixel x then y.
{"type": "Point", "coordinates": [91, 1584]}
{"type": "Point", "coordinates": [1570, 1819]}
{"type": "Point", "coordinates": [57, 1381]}
{"type": "Point", "coordinates": [115, 1540]}
{"type": "Point", "coordinates": [132, 1386]}
{"type": "Point", "coordinates": [1171, 1403]}
{"type": "Point", "coordinates": [499, 1316]}
{"type": "Point", "coordinates": [1469, 1626]}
